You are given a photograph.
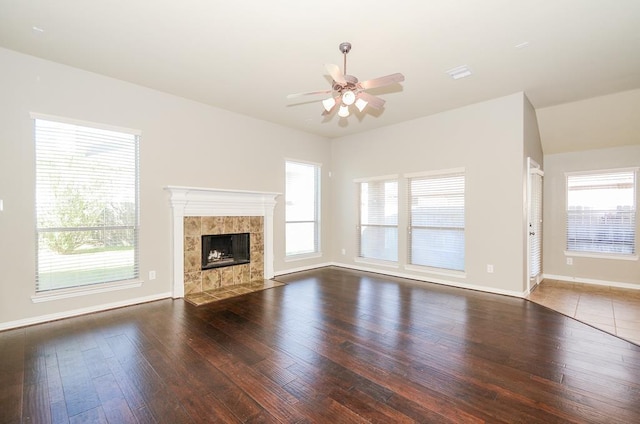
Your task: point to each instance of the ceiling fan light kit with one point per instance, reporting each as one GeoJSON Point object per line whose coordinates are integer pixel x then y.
{"type": "Point", "coordinates": [346, 90]}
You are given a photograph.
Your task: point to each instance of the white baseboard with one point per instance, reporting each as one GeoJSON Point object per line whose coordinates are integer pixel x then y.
{"type": "Point", "coordinates": [412, 277]}
{"type": "Point", "coordinates": [75, 312]}
{"type": "Point", "coordinates": [617, 284]}
{"type": "Point", "coordinates": [303, 268]}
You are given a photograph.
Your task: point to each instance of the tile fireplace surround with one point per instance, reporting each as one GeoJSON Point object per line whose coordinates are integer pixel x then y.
{"type": "Point", "coordinates": [197, 211]}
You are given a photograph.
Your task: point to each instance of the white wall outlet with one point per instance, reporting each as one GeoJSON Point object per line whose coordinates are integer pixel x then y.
{"type": "Point", "coordinates": [489, 268]}
{"type": "Point", "coordinates": [569, 261]}
{"type": "Point", "coordinates": [152, 275]}
{"type": "Point", "coordinates": [343, 251]}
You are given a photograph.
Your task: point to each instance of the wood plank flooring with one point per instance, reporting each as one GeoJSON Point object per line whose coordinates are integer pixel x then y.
{"type": "Point", "coordinates": [334, 346]}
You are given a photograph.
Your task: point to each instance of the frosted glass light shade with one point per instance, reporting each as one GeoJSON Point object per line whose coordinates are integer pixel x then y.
{"type": "Point", "coordinates": [361, 104]}
{"type": "Point", "coordinates": [344, 111]}
{"type": "Point", "coordinates": [348, 97]}
{"type": "Point", "coordinates": [329, 103]}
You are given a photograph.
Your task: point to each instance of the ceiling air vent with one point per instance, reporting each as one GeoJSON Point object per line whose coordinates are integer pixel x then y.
{"type": "Point", "coordinates": [459, 72]}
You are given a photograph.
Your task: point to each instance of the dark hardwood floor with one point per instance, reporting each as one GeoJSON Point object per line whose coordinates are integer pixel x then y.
{"type": "Point", "coordinates": [333, 346]}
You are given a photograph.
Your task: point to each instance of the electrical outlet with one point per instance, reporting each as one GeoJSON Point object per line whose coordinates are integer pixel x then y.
{"type": "Point", "coordinates": [344, 251]}
{"type": "Point", "coordinates": [569, 261]}
{"type": "Point", "coordinates": [152, 275]}
{"type": "Point", "coordinates": [489, 268]}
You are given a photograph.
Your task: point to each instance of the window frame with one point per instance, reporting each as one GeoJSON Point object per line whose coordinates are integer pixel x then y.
{"type": "Point", "coordinates": [48, 294]}
{"type": "Point", "coordinates": [602, 254]}
{"type": "Point", "coordinates": [317, 252]}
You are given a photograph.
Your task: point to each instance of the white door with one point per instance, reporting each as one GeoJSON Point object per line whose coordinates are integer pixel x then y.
{"type": "Point", "coordinates": [534, 193]}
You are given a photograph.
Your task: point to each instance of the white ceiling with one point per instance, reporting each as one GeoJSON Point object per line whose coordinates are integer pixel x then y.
{"type": "Point", "coordinates": [246, 56]}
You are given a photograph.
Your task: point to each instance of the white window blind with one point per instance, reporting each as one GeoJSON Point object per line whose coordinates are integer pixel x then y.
{"type": "Point", "coordinates": [436, 207]}
{"type": "Point", "coordinates": [302, 193]}
{"type": "Point", "coordinates": [86, 205]}
{"type": "Point", "coordinates": [601, 212]}
{"type": "Point", "coordinates": [378, 226]}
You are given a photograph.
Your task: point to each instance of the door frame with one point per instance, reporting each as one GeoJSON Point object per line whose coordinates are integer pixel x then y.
{"type": "Point", "coordinates": [533, 168]}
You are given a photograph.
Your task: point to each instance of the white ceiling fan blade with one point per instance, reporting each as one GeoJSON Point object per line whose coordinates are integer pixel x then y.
{"type": "Point", "coordinates": [293, 96]}
{"type": "Point", "coordinates": [334, 71]}
{"type": "Point", "coordinates": [382, 81]}
{"type": "Point", "coordinates": [373, 101]}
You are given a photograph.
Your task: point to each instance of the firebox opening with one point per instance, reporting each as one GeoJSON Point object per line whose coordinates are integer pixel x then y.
{"type": "Point", "coordinates": [225, 250]}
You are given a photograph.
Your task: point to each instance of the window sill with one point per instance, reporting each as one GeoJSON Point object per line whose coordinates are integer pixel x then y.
{"type": "Point", "coordinates": [380, 262]}
{"type": "Point", "coordinates": [595, 255]}
{"type": "Point", "coordinates": [84, 291]}
{"type": "Point", "coordinates": [436, 271]}
{"type": "Point", "coordinates": [303, 257]}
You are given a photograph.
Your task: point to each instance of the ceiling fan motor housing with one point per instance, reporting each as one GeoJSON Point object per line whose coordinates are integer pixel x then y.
{"type": "Point", "coordinates": [351, 83]}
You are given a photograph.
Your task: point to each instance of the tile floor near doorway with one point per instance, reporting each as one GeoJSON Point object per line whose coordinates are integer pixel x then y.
{"type": "Point", "coordinates": [614, 310]}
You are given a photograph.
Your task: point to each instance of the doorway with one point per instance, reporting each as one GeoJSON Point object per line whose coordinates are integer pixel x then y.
{"type": "Point", "coordinates": [534, 216]}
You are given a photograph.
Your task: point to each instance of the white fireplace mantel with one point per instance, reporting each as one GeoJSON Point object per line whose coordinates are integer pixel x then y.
{"type": "Point", "coordinates": [197, 201]}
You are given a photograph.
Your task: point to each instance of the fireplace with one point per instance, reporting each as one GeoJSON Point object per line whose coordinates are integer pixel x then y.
{"type": "Point", "coordinates": [200, 211]}
{"type": "Point", "coordinates": [220, 250]}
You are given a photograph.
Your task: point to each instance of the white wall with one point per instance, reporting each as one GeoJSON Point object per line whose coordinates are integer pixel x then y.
{"type": "Point", "coordinates": [183, 143]}
{"type": "Point", "coordinates": [604, 271]}
{"type": "Point", "coordinates": [590, 124]}
{"type": "Point", "coordinates": [487, 140]}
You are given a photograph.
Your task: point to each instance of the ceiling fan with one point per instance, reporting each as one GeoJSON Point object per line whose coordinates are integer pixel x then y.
{"type": "Point", "coordinates": [346, 90]}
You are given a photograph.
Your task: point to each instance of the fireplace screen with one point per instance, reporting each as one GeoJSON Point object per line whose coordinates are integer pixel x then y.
{"type": "Point", "coordinates": [225, 250]}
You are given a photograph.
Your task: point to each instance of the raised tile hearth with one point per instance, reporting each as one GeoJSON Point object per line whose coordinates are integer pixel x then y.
{"type": "Point", "coordinates": [209, 296]}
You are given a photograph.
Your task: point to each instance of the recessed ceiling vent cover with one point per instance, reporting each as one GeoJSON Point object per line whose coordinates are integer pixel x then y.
{"type": "Point", "coordinates": [459, 72]}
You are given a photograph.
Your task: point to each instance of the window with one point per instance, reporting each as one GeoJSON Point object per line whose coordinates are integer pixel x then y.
{"type": "Point", "coordinates": [302, 208]}
{"type": "Point", "coordinates": [378, 225]}
{"type": "Point", "coordinates": [601, 212]}
{"type": "Point", "coordinates": [86, 204]}
{"type": "Point", "coordinates": [436, 216]}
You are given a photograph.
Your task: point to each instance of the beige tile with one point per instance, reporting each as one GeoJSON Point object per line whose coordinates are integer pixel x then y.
{"type": "Point", "coordinates": [192, 261]}
{"type": "Point", "coordinates": [631, 335]}
{"type": "Point", "coordinates": [230, 223]}
{"type": "Point", "coordinates": [628, 324]}
{"type": "Point", "coordinates": [241, 274]}
{"type": "Point", "coordinates": [244, 224]}
{"type": "Point", "coordinates": [257, 224]}
{"type": "Point", "coordinates": [566, 310]}
{"type": "Point", "coordinates": [192, 244]}
{"type": "Point", "coordinates": [626, 311]}
{"type": "Point", "coordinates": [604, 307]}
{"type": "Point", "coordinates": [192, 282]}
{"type": "Point", "coordinates": [212, 225]}
{"type": "Point", "coordinates": [595, 319]}
{"type": "Point", "coordinates": [226, 276]}
{"type": "Point", "coordinates": [192, 226]}
{"type": "Point", "coordinates": [211, 279]}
